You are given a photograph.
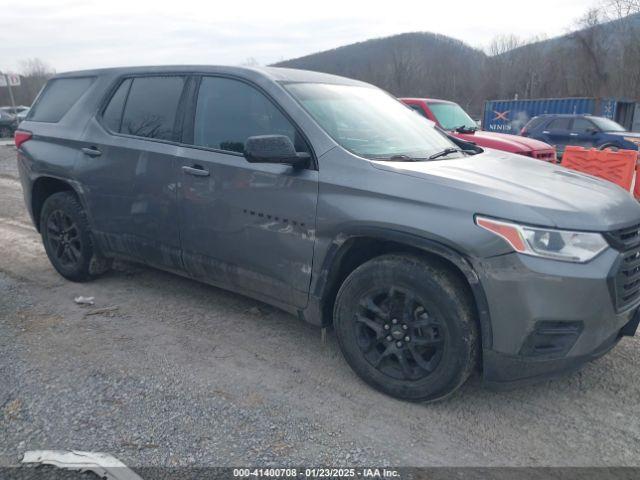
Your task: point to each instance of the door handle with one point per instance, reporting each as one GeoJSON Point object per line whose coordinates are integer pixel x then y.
{"type": "Point", "coordinates": [92, 152]}
{"type": "Point", "coordinates": [574, 134]}
{"type": "Point", "coordinates": [196, 171]}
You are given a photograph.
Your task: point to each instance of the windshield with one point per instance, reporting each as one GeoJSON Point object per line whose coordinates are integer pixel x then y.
{"type": "Point", "coordinates": [451, 116]}
{"type": "Point", "coordinates": [369, 122]}
{"type": "Point", "coordinates": [607, 125]}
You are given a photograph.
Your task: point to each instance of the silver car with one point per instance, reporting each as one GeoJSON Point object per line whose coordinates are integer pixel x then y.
{"type": "Point", "coordinates": [330, 199]}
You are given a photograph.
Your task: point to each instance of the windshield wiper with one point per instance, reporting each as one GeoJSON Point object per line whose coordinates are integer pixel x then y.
{"type": "Point", "coordinates": [465, 129]}
{"type": "Point", "coordinates": [445, 152]}
{"type": "Point", "coordinates": [408, 158]}
{"type": "Point", "coordinates": [404, 158]}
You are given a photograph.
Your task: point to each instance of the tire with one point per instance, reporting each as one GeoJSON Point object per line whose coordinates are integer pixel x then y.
{"type": "Point", "coordinates": [67, 238]}
{"type": "Point", "coordinates": [609, 146]}
{"type": "Point", "coordinates": [434, 344]}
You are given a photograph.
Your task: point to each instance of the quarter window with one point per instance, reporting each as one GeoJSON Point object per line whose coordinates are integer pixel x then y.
{"type": "Point", "coordinates": [58, 97]}
{"type": "Point", "coordinates": [230, 111]}
{"type": "Point", "coordinates": [151, 107]}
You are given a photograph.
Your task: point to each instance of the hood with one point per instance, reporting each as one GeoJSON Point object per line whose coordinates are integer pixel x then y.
{"type": "Point", "coordinates": [625, 134]}
{"type": "Point", "coordinates": [513, 187]}
{"type": "Point", "coordinates": [516, 142]}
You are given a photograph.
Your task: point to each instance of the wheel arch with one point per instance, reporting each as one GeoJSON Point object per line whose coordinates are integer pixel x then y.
{"type": "Point", "coordinates": [348, 251]}
{"type": "Point", "coordinates": [45, 186]}
{"type": "Point", "coordinates": [609, 144]}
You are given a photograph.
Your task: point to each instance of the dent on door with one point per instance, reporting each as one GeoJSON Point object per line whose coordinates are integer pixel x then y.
{"type": "Point", "coordinates": [250, 226]}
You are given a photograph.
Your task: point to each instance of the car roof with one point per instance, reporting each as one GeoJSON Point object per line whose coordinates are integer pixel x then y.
{"type": "Point", "coordinates": [272, 73]}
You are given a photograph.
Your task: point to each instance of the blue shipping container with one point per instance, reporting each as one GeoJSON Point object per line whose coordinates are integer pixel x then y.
{"type": "Point", "coordinates": [509, 116]}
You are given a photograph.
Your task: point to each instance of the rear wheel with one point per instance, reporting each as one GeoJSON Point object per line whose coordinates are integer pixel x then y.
{"type": "Point", "coordinates": [67, 238]}
{"type": "Point", "coordinates": [407, 327]}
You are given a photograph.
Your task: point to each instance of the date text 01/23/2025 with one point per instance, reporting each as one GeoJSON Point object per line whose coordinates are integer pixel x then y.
{"type": "Point", "coordinates": [315, 473]}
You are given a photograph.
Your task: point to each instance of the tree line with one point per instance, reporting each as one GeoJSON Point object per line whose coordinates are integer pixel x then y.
{"type": "Point", "coordinates": [599, 58]}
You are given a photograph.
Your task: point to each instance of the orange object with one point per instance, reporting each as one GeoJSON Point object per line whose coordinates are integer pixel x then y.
{"type": "Point", "coordinates": [636, 187]}
{"type": "Point", "coordinates": [618, 166]}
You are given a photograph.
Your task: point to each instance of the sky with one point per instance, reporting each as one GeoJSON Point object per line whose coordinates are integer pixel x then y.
{"type": "Point", "coordinates": [75, 34]}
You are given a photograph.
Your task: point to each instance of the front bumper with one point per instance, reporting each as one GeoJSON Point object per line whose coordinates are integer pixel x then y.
{"type": "Point", "coordinates": [549, 317]}
{"type": "Point", "coordinates": [501, 370]}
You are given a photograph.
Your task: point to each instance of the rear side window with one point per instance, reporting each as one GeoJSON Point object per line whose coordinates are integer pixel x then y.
{"type": "Point", "coordinates": [151, 107]}
{"type": "Point", "coordinates": [58, 97]}
{"type": "Point", "coordinates": [559, 124]}
{"type": "Point", "coordinates": [112, 116]}
{"type": "Point", "coordinates": [230, 111]}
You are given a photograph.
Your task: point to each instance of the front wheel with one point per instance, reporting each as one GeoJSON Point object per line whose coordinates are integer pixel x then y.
{"type": "Point", "coordinates": [609, 146]}
{"type": "Point", "coordinates": [407, 327]}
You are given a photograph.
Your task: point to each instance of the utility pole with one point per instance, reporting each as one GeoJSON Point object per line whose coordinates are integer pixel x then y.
{"type": "Point", "coordinates": [13, 102]}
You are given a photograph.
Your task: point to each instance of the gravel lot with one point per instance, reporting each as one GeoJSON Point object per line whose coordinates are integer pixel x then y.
{"type": "Point", "coordinates": [181, 373]}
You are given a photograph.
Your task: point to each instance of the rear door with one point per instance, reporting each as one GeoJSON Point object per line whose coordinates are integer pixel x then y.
{"type": "Point", "coordinates": [248, 226]}
{"type": "Point", "coordinates": [130, 167]}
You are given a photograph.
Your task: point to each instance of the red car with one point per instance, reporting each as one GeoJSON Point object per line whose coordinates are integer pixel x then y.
{"type": "Point", "coordinates": [451, 117]}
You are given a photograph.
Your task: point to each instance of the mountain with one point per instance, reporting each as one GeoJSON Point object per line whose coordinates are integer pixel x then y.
{"type": "Point", "coordinates": [409, 64]}
{"type": "Point", "coordinates": [601, 59]}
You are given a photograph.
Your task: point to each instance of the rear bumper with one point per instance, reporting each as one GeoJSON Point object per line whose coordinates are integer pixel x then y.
{"type": "Point", "coordinates": [500, 370]}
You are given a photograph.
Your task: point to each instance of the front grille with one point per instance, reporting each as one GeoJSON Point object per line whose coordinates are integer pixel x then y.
{"type": "Point", "coordinates": [626, 280]}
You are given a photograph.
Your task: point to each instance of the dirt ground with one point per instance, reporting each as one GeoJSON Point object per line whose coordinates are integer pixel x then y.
{"type": "Point", "coordinates": [179, 373]}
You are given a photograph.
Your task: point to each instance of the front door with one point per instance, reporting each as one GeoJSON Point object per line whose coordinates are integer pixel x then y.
{"type": "Point", "coordinates": [248, 226]}
{"type": "Point", "coordinates": [583, 133]}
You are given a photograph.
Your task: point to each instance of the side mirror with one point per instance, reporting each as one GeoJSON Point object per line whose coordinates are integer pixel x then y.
{"type": "Point", "coordinates": [592, 131]}
{"type": "Point", "coordinates": [274, 149]}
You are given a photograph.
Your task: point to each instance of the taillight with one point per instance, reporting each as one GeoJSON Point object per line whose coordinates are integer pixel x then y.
{"type": "Point", "coordinates": [21, 136]}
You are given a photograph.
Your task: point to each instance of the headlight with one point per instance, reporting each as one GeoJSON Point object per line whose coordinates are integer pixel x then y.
{"type": "Point", "coordinates": [561, 245]}
{"type": "Point", "coordinates": [635, 140]}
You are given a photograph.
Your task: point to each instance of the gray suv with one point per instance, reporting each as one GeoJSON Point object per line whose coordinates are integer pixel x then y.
{"type": "Point", "coordinates": [328, 198]}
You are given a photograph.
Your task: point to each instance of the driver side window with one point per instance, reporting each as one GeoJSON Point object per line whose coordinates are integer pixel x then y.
{"type": "Point", "coordinates": [581, 125]}
{"type": "Point", "coordinates": [230, 111]}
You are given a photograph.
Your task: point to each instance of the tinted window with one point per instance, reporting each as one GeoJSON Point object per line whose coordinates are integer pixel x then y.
{"type": "Point", "coordinates": [151, 107]}
{"type": "Point", "coordinates": [112, 115]}
{"type": "Point", "coordinates": [58, 97]}
{"type": "Point", "coordinates": [230, 111]}
{"type": "Point", "coordinates": [559, 124]}
{"type": "Point", "coordinates": [582, 125]}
